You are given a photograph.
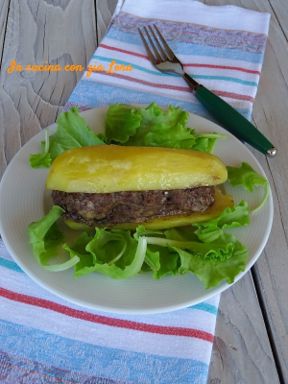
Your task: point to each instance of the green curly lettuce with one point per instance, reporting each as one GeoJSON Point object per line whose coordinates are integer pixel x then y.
{"type": "Point", "coordinates": [154, 126]}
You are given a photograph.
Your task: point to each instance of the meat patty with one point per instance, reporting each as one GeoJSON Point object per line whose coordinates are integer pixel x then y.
{"type": "Point", "coordinates": [106, 209]}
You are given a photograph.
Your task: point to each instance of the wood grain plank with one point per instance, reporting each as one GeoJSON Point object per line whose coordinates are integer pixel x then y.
{"type": "Point", "coordinates": [241, 351]}
{"type": "Point", "coordinates": [280, 10]}
{"type": "Point", "coordinates": [272, 269]}
{"type": "Point", "coordinates": [270, 116]}
{"type": "Point", "coordinates": [4, 7]}
{"type": "Point", "coordinates": [105, 11]}
{"type": "Point", "coordinates": [40, 32]}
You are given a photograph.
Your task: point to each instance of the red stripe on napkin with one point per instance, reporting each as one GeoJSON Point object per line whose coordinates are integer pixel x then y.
{"type": "Point", "coordinates": [231, 95]}
{"type": "Point", "coordinates": [195, 65]}
{"type": "Point", "coordinates": [105, 320]}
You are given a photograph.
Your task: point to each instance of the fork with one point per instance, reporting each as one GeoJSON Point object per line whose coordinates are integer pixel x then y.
{"type": "Point", "coordinates": [164, 59]}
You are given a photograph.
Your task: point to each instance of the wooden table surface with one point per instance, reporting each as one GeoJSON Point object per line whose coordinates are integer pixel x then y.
{"type": "Point", "coordinates": [251, 344]}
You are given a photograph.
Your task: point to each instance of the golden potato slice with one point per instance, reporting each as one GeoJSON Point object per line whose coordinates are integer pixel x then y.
{"type": "Point", "coordinates": [112, 168]}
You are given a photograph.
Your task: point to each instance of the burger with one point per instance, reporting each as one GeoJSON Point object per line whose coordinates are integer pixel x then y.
{"type": "Point", "coordinates": [124, 186]}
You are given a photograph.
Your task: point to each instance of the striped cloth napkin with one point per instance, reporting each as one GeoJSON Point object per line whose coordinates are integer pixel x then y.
{"type": "Point", "coordinates": [44, 339]}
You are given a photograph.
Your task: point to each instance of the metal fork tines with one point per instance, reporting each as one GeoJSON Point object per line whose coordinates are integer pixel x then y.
{"type": "Point", "coordinates": [159, 52]}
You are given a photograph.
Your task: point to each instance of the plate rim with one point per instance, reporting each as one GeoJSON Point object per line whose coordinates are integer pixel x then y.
{"type": "Point", "coordinates": [120, 310]}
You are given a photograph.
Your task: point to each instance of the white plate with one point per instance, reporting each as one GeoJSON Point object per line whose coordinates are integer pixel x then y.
{"type": "Point", "coordinates": [22, 200]}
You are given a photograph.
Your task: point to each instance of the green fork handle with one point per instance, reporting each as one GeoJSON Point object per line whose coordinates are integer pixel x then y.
{"type": "Point", "coordinates": [231, 119]}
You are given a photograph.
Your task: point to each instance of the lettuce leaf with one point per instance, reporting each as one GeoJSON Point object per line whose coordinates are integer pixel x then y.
{"type": "Point", "coordinates": [126, 125]}
{"type": "Point", "coordinates": [163, 128]}
{"type": "Point", "coordinates": [169, 262]}
{"type": "Point", "coordinates": [154, 126]}
{"type": "Point", "coordinates": [47, 240]}
{"type": "Point", "coordinates": [205, 142]}
{"type": "Point", "coordinates": [236, 216]}
{"type": "Point", "coordinates": [86, 259]}
{"type": "Point", "coordinates": [211, 262]}
{"type": "Point", "coordinates": [115, 253]}
{"type": "Point", "coordinates": [122, 121]}
{"type": "Point", "coordinates": [248, 178]}
{"type": "Point", "coordinates": [72, 131]}
{"type": "Point", "coordinates": [223, 261]}
{"type": "Point", "coordinates": [120, 254]}
{"type": "Point", "coordinates": [43, 158]}
{"type": "Point", "coordinates": [152, 261]}
{"type": "Point", "coordinates": [245, 176]}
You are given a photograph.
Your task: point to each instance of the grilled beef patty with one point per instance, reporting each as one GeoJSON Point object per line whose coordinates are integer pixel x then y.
{"type": "Point", "coordinates": [108, 209]}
